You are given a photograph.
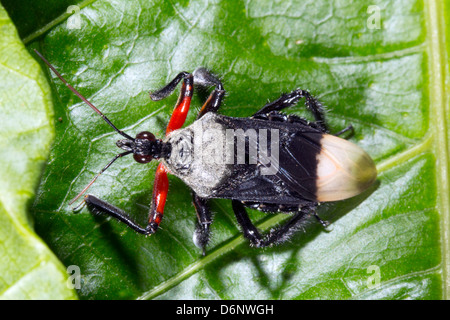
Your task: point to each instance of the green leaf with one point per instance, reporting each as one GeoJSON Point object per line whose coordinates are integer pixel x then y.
{"type": "Point", "coordinates": [29, 270]}
{"type": "Point", "coordinates": [389, 82]}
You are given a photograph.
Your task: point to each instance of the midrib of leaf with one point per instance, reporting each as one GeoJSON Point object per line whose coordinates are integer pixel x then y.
{"type": "Point", "coordinates": [436, 48]}
{"type": "Point", "coordinates": [33, 36]}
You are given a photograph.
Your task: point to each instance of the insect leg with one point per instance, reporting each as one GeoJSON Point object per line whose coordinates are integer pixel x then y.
{"type": "Point", "coordinates": [204, 78]}
{"type": "Point", "coordinates": [181, 110]}
{"type": "Point", "coordinates": [202, 233]}
{"type": "Point", "coordinates": [184, 101]}
{"type": "Point", "coordinates": [99, 206]}
{"type": "Point", "coordinates": [160, 189]}
{"type": "Point", "coordinates": [248, 228]}
{"type": "Point", "coordinates": [275, 236]}
{"type": "Point", "coordinates": [285, 101]}
{"type": "Point", "coordinates": [348, 128]}
{"type": "Point", "coordinates": [324, 223]}
{"type": "Point", "coordinates": [290, 99]}
{"type": "Point", "coordinates": [213, 103]}
{"type": "Point", "coordinates": [170, 87]}
{"type": "Point", "coordinates": [201, 76]}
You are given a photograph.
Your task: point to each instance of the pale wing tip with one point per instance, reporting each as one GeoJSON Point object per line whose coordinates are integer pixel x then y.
{"type": "Point", "coordinates": [344, 170]}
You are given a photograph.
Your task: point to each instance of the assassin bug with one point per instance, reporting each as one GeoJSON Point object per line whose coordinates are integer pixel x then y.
{"type": "Point", "coordinates": [312, 166]}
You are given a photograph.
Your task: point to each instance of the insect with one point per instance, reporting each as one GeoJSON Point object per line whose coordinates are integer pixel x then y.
{"type": "Point", "coordinates": [292, 169]}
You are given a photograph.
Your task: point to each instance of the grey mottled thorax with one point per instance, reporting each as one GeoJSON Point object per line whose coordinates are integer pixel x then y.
{"type": "Point", "coordinates": [198, 155]}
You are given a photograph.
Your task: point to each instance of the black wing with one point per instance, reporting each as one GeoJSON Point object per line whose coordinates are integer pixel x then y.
{"type": "Point", "coordinates": [298, 163]}
{"type": "Point", "coordinates": [293, 181]}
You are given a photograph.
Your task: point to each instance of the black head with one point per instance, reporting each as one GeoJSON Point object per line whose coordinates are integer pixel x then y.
{"type": "Point", "coordinates": [145, 147]}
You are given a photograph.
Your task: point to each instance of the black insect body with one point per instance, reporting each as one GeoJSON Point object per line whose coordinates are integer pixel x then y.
{"type": "Point", "coordinates": [271, 161]}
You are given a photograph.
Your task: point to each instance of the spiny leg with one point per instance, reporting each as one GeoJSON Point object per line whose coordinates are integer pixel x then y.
{"type": "Point", "coordinates": [202, 232]}
{"type": "Point", "coordinates": [275, 236]}
{"type": "Point", "coordinates": [290, 99]}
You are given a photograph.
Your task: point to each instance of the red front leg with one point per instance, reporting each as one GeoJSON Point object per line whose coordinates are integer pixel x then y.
{"type": "Point", "coordinates": [160, 189]}
{"type": "Point", "coordinates": [161, 185]}
{"type": "Point", "coordinates": [182, 108]}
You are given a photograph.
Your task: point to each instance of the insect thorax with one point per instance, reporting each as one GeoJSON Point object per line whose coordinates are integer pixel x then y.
{"type": "Point", "coordinates": [198, 155]}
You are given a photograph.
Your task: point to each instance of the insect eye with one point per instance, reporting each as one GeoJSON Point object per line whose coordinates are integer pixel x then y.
{"type": "Point", "coordinates": [145, 135]}
{"type": "Point", "coordinates": [142, 158]}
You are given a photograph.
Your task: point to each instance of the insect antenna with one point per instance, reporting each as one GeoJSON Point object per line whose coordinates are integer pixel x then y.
{"type": "Point", "coordinates": [79, 95]}
{"type": "Point", "coordinates": [97, 175]}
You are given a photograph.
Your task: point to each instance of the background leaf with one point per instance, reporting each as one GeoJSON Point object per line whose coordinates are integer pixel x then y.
{"type": "Point", "coordinates": [29, 270]}
{"type": "Point", "coordinates": [388, 82]}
